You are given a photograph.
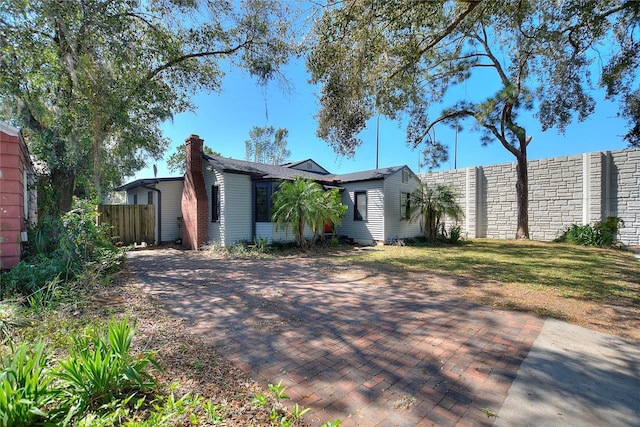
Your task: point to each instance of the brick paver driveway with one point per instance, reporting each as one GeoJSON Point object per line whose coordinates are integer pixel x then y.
{"type": "Point", "coordinates": [370, 349]}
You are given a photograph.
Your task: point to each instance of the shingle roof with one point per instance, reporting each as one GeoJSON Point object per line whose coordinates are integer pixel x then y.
{"type": "Point", "coordinates": [286, 172]}
{"type": "Point", "coordinates": [369, 175]}
{"type": "Point", "coordinates": [146, 181]}
{"type": "Point", "coordinates": [262, 170]}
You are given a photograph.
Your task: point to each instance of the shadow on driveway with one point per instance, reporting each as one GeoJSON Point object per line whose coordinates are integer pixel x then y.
{"type": "Point", "coordinates": [349, 344]}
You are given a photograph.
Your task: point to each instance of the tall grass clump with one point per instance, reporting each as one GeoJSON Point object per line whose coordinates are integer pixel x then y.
{"type": "Point", "coordinates": [102, 369]}
{"type": "Point", "coordinates": [25, 382]}
{"type": "Point", "coordinates": [99, 376]}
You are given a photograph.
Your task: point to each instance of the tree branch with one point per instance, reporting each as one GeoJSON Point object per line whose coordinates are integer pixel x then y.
{"type": "Point", "coordinates": [445, 117]}
{"type": "Point", "coordinates": [179, 59]}
{"type": "Point", "coordinates": [485, 44]}
{"type": "Point", "coordinates": [471, 4]}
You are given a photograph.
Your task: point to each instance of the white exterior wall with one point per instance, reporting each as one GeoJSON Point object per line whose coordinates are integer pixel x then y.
{"type": "Point", "coordinates": [234, 222]}
{"type": "Point", "coordinates": [396, 226]}
{"type": "Point", "coordinates": [268, 230]}
{"type": "Point", "coordinates": [370, 231]}
{"type": "Point", "coordinates": [237, 210]}
{"type": "Point", "coordinates": [216, 229]}
{"type": "Point", "coordinates": [171, 208]}
{"type": "Point", "coordinates": [310, 166]}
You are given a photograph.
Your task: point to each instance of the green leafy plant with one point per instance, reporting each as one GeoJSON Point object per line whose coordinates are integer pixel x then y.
{"type": "Point", "coordinates": [61, 249]}
{"type": "Point", "coordinates": [601, 234]}
{"type": "Point", "coordinates": [304, 203]}
{"type": "Point", "coordinates": [213, 411]}
{"type": "Point", "coordinates": [261, 243]}
{"type": "Point", "coordinates": [431, 205]}
{"type": "Point", "coordinates": [298, 412]}
{"type": "Point", "coordinates": [278, 390]}
{"type": "Point", "coordinates": [99, 369]}
{"type": "Point", "coordinates": [24, 387]}
{"type": "Point", "coordinates": [277, 414]}
{"type": "Point", "coordinates": [454, 234]}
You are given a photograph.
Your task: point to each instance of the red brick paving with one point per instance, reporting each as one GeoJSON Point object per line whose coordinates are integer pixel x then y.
{"type": "Point", "coordinates": [361, 350]}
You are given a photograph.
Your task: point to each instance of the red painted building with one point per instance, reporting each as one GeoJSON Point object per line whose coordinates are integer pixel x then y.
{"type": "Point", "coordinates": [18, 208]}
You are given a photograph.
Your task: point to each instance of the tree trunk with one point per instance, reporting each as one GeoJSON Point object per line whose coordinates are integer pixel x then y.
{"type": "Point", "coordinates": [522, 195]}
{"type": "Point", "coordinates": [63, 182]}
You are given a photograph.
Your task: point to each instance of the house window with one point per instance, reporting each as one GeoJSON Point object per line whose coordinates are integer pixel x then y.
{"type": "Point", "coordinates": [405, 205]}
{"type": "Point", "coordinates": [360, 206]}
{"type": "Point", "coordinates": [135, 199]}
{"type": "Point", "coordinates": [150, 197]}
{"type": "Point", "coordinates": [405, 175]}
{"type": "Point", "coordinates": [263, 201]}
{"type": "Point", "coordinates": [215, 203]}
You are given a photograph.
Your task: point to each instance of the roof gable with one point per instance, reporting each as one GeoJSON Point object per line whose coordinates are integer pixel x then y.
{"type": "Point", "coordinates": [308, 165]}
{"type": "Point", "coordinates": [263, 170]}
{"type": "Point", "coordinates": [146, 181]}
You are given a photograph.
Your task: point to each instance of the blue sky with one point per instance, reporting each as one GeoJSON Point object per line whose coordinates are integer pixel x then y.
{"type": "Point", "coordinates": [224, 119]}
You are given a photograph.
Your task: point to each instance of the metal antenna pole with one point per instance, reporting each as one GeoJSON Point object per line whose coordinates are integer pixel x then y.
{"type": "Point", "coordinates": [377, 140]}
{"type": "Point", "coordinates": [455, 151]}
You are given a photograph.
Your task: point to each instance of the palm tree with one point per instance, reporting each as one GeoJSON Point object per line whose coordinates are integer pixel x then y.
{"type": "Point", "coordinates": [432, 204]}
{"type": "Point", "coordinates": [303, 202]}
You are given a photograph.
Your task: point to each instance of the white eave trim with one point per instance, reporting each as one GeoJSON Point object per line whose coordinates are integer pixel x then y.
{"type": "Point", "coordinates": [8, 129]}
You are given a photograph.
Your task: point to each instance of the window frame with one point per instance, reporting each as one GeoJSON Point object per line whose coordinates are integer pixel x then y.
{"type": "Point", "coordinates": [405, 205]}
{"type": "Point", "coordinates": [215, 203]}
{"type": "Point", "coordinates": [269, 190]}
{"type": "Point", "coordinates": [405, 176]}
{"type": "Point", "coordinates": [357, 212]}
{"type": "Point", "coordinates": [149, 197]}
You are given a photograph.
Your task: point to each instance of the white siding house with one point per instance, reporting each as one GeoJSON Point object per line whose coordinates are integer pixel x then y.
{"type": "Point", "coordinates": [229, 200]}
{"type": "Point", "coordinates": [233, 222]}
{"type": "Point", "coordinates": [368, 227]}
{"type": "Point", "coordinates": [164, 194]}
{"type": "Point", "coordinates": [385, 192]}
{"type": "Point", "coordinates": [397, 221]}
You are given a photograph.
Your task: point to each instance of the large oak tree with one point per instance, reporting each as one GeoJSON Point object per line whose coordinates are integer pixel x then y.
{"type": "Point", "coordinates": [90, 81]}
{"type": "Point", "coordinates": [401, 58]}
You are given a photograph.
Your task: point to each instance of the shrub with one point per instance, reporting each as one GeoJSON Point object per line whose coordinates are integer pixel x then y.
{"type": "Point", "coordinates": [600, 234]}
{"type": "Point", "coordinates": [61, 249]}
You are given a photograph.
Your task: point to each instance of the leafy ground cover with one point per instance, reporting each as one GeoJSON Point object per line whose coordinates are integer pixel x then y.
{"type": "Point", "coordinates": [598, 288]}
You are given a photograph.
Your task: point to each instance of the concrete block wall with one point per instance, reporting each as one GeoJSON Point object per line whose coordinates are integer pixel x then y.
{"type": "Point", "coordinates": [580, 189]}
{"type": "Point", "coordinates": [555, 196]}
{"type": "Point", "coordinates": [623, 199]}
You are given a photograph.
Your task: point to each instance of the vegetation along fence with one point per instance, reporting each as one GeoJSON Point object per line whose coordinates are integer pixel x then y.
{"type": "Point", "coordinates": [129, 223]}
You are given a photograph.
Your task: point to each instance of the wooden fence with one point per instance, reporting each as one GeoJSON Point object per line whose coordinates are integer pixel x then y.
{"type": "Point", "coordinates": [129, 223]}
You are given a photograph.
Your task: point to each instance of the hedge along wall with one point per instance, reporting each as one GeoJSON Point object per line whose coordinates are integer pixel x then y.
{"type": "Point", "coordinates": [580, 189]}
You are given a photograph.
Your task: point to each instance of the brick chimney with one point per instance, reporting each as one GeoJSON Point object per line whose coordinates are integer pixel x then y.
{"type": "Point", "coordinates": [195, 207]}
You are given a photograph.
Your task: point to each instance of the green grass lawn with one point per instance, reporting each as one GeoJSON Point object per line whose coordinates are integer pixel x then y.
{"type": "Point", "coordinates": [601, 275]}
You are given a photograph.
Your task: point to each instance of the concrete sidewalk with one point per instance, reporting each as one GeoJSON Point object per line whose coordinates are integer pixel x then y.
{"type": "Point", "coordinates": [574, 376]}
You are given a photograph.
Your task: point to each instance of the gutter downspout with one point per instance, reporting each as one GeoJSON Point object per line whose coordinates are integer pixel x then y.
{"type": "Point", "coordinates": [159, 239]}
